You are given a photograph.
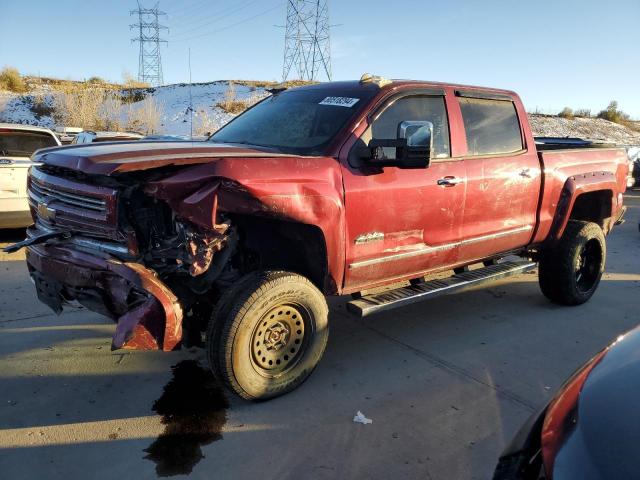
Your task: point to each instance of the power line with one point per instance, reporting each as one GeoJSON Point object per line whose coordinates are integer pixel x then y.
{"type": "Point", "coordinates": [198, 4]}
{"type": "Point", "coordinates": [148, 26]}
{"type": "Point", "coordinates": [306, 40]}
{"type": "Point", "coordinates": [264, 12]}
{"type": "Point", "coordinates": [209, 20]}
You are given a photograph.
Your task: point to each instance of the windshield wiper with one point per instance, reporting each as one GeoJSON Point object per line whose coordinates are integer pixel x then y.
{"type": "Point", "coordinates": [251, 144]}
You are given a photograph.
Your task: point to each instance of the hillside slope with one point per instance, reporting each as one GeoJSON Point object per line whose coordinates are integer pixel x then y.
{"type": "Point", "coordinates": [173, 100]}
{"type": "Point", "coordinates": [587, 128]}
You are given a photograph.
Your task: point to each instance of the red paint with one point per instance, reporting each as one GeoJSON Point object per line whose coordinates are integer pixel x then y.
{"type": "Point", "coordinates": [116, 280]}
{"type": "Point", "coordinates": [557, 422]}
{"type": "Point", "coordinates": [504, 203]}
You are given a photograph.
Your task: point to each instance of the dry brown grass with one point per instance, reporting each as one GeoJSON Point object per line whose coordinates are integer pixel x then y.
{"type": "Point", "coordinates": [88, 107]}
{"type": "Point", "coordinates": [145, 117]}
{"type": "Point", "coordinates": [231, 103]}
{"type": "Point", "coordinates": [271, 84]}
{"type": "Point", "coordinates": [10, 79]}
{"type": "Point", "coordinates": [234, 105]}
{"type": "Point", "coordinates": [203, 124]}
{"type": "Point", "coordinates": [130, 82]}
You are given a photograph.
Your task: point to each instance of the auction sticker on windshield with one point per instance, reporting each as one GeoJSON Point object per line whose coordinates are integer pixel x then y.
{"type": "Point", "coordinates": [340, 101]}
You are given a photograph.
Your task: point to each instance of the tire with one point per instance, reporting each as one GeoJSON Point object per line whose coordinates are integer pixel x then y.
{"type": "Point", "coordinates": [570, 273]}
{"type": "Point", "coordinates": [267, 334]}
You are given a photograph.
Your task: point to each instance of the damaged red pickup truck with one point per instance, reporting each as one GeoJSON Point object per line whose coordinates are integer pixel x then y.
{"type": "Point", "coordinates": [328, 189]}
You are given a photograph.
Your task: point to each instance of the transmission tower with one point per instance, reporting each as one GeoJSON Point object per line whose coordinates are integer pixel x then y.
{"type": "Point", "coordinates": [306, 40]}
{"type": "Point", "coordinates": [148, 27]}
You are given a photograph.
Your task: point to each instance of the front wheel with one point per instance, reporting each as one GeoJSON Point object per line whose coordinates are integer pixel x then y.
{"type": "Point", "coordinates": [570, 272]}
{"type": "Point", "coordinates": [268, 334]}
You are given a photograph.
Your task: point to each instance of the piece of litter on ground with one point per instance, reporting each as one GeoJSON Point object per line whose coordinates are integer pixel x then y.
{"type": "Point", "coordinates": [547, 388]}
{"type": "Point", "coordinates": [360, 418]}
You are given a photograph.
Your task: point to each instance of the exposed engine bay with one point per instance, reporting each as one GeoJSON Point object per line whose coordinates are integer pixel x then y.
{"type": "Point", "coordinates": [188, 262]}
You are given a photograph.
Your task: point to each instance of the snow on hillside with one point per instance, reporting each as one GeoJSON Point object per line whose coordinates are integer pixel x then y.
{"type": "Point", "coordinates": [587, 128]}
{"type": "Point", "coordinates": [174, 103]}
{"type": "Point", "coordinates": [174, 100]}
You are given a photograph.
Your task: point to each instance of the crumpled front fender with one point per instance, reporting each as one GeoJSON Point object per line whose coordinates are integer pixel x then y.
{"type": "Point", "coordinates": [148, 314]}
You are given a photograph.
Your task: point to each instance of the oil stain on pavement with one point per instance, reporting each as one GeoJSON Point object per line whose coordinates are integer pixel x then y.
{"type": "Point", "coordinates": [194, 410]}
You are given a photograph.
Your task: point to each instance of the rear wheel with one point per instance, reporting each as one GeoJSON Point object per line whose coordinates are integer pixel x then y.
{"type": "Point", "coordinates": [267, 334]}
{"type": "Point", "coordinates": [570, 272]}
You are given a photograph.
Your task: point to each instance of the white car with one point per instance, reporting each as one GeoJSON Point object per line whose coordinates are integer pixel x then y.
{"type": "Point", "coordinates": [17, 144]}
{"type": "Point", "coordinates": [89, 136]}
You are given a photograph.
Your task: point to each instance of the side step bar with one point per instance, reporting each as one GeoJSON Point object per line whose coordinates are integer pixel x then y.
{"type": "Point", "coordinates": [378, 302]}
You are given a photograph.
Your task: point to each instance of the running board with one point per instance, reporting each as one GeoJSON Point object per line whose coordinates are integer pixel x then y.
{"type": "Point", "coordinates": [378, 302]}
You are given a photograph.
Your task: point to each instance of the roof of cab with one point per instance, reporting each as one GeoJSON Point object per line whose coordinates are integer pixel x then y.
{"type": "Point", "coordinates": [380, 83]}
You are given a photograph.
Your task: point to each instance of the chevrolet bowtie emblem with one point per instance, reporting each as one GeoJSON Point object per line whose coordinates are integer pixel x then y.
{"type": "Point", "coordinates": [46, 212]}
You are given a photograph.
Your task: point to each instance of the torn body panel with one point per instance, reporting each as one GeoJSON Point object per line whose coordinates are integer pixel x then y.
{"type": "Point", "coordinates": [305, 190]}
{"type": "Point", "coordinates": [149, 315]}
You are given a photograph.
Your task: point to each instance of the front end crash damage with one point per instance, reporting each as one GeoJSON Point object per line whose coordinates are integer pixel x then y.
{"type": "Point", "coordinates": [169, 264]}
{"type": "Point", "coordinates": [148, 313]}
{"type": "Point", "coordinates": [127, 292]}
{"type": "Point", "coordinates": [172, 239]}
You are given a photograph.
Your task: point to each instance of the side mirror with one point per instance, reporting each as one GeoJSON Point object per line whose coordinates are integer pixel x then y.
{"type": "Point", "coordinates": [412, 147]}
{"type": "Point", "coordinates": [419, 142]}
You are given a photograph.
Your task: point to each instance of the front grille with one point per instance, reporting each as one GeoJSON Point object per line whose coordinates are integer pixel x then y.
{"type": "Point", "coordinates": [58, 202]}
{"type": "Point", "coordinates": [54, 194]}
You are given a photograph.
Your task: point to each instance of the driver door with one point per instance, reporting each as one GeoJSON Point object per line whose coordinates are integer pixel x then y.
{"type": "Point", "coordinates": [400, 222]}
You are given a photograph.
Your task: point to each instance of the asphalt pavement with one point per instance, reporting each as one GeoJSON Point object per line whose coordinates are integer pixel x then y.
{"type": "Point", "coordinates": [446, 383]}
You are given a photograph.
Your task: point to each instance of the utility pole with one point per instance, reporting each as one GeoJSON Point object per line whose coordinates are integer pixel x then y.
{"type": "Point", "coordinates": [306, 40]}
{"type": "Point", "coordinates": [148, 27]}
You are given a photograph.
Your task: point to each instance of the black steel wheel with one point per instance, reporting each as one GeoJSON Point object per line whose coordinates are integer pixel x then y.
{"type": "Point", "coordinates": [570, 272]}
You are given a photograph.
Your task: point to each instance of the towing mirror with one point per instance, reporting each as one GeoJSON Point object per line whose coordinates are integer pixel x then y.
{"type": "Point", "coordinates": [412, 147]}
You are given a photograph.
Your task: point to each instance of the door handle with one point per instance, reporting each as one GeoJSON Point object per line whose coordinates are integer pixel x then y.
{"type": "Point", "coordinates": [449, 181]}
{"type": "Point", "coordinates": [525, 173]}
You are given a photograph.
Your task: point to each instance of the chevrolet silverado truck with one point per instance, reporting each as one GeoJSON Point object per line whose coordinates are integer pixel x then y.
{"type": "Point", "coordinates": [328, 189]}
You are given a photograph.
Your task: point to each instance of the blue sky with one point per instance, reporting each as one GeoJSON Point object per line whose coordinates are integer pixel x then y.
{"type": "Point", "coordinates": [554, 53]}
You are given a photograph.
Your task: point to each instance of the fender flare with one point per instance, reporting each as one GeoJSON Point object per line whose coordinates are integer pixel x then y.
{"type": "Point", "coordinates": [575, 186]}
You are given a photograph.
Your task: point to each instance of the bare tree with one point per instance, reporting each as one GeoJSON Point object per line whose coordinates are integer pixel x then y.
{"type": "Point", "coordinates": [78, 106]}
{"type": "Point", "coordinates": [109, 113]}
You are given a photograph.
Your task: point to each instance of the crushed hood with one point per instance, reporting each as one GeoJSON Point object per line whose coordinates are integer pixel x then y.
{"type": "Point", "coordinates": [120, 157]}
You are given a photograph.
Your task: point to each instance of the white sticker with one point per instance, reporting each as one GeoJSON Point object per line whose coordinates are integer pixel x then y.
{"type": "Point", "coordinates": [340, 101]}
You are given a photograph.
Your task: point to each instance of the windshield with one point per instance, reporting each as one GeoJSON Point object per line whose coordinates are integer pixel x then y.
{"type": "Point", "coordinates": [300, 122]}
{"type": "Point", "coordinates": [22, 143]}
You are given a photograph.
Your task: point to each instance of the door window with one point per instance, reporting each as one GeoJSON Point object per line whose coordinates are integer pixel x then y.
{"type": "Point", "coordinates": [491, 126]}
{"type": "Point", "coordinates": [415, 107]}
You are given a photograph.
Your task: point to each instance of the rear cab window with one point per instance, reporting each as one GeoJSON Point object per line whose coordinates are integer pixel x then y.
{"type": "Point", "coordinates": [23, 143]}
{"type": "Point", "coordinates": [491, 126]}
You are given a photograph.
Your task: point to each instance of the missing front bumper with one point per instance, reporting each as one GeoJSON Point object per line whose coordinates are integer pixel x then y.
{"type": "Point", "coordinates": [148, 314]}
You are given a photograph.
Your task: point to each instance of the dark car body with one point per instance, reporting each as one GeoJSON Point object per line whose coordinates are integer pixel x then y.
{"type": "Point", "coordinates": [591, 428]}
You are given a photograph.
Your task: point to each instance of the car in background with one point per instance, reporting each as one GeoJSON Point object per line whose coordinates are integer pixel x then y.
{"type": "Point", "coordinates": [89, 136]}
{"type": "Point", "coordinates": [17, 144]}
{"type": "Point", "coordinates": [175, 138]}
{"type": "Point", "coordinates": [591, 428]}
{"type": "Point", "coordinates": [67, 134]}
{"type": "Point", "coordinates": [634, 167]}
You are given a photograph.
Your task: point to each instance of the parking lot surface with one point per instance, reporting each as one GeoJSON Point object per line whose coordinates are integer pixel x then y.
{"type": "Point", "coordinates": [447, 383]}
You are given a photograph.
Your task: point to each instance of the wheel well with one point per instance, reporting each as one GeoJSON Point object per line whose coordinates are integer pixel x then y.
{"type": "Point", "coordinates": [593, 207]}
{"type": "Point", "coordinates": [273, 244]}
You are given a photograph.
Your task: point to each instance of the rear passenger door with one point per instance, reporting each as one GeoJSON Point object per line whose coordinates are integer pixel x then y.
{"type": "Point", "coordinates": [503, 177]}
